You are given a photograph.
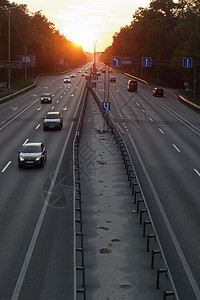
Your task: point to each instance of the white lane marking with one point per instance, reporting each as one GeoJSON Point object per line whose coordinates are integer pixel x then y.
{"type": "Point", "coordinates": [15, 117]}
{"type": "Point", "coordinates": [36, 232]}
{"type": "Point", "coordinates": [52, 107]}
{"type": "Point", "coordinates": [37, 126]}
{"type": "Point", "coordinates": [57, 101]}
{"type": "Point", "coordinates": [143, 110]}
{"type": "Point", "coordinates": [197, 172]}
{"type": "Point", "coordinates": [14, 108]}
{"type": "Point", "coordinates": [151, 119]}
{"type": "Point", "coordinates": [26, 141]}
{"type": "Point", "coordinates": [3, 170]}
{"type": "Point", "coordinates": [176, 148]}
{"type": "Point", "coordinates": [138, 104]}
{"type": "Point", "coordinates": [65, 108]}
{"type": "Point", "coordinates": [39, 108]}
{"type": "Point", "coordinates": [161, 131]}
{"type": "Point", "coordinates": [61, 97]}
{"type": "Point", "coordinates": [72, 95]}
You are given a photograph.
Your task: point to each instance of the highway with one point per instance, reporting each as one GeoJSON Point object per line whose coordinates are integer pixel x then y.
{"type": "Point", "coordinates": [36, 207]}
{"type": "Point", "coordinates": [163, 138]}
{"type": "Point", "coordinates": [36, 217]}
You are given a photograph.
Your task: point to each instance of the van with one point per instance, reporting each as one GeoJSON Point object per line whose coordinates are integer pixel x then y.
{"type": "Point", "coordinates": [132, 86]}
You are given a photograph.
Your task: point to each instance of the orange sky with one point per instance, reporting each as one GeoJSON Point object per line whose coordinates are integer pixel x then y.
{"type": "Point", "coordinates": [86, 21]}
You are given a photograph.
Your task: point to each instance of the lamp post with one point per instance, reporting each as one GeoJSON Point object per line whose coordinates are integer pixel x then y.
{"type": "Point", "coordinates": [195, 57]}
{"type": "Point", "coordinates": [95, 44]}
{"type": "Point", "coordinates": [9, 11]}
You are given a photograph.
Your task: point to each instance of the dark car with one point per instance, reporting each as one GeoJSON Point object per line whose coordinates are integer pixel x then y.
{"type": "Point", "coordinates": [32, 155]}
{"type": "Point", "coordinates": [132, 86]}
{"type": "Point", "coordinates": [112, 79]}
{"type": "Point", "coordinates": [53, 120]}
{"type": "Point", "coordinates": [157, 91]}
{"type": "Point", "coordinates": [46, 98]}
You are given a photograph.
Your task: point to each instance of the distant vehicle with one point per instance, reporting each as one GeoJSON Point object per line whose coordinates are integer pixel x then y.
{"type": "Point", "coordinates": [32, 155]}
{"type": "Point", "coordinates": [103, 71]}
{"type": "Point", "coordinates": [82, 74]}
{"type": "Point", "coordinates": [132, 86]}
{"type": "Point", "coordinates": [112, 79]}
{"type": "Point", "coordinates": [73, 75]}
{"type": "Point", "coordinates": [53, 120]}
{"type": "Point", "coordinates": [110, 70]}
{"type": "Point", "coordinates": [158, 91]}
{"type": "Point", "coordinates": [67, 80]}
{"type": "Point", "coordinates": [98, 73]}
{"type": "Point", "coordinates": [46, 98]}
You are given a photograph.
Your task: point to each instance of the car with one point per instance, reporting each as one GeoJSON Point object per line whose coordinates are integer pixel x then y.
{"type": "Point", "coordinates": [73, 75]}
{"type": "Point", "coordinates": [103, 71]}
{"type": "Point", "coordinates": [110, 70]}
{"type": "Point", "coordinates": [112, 79]}
{"type": "Point", "coordinates": [32, 155]}
{"type": "Point", "coordinates": [158, 91]}
{"type": "Point", "coordinates": [67, 80]}
{"type": "Point", "coordinates": [82, 74]}
{"type": "Point", "coordinates": [53, 120]}
{"type": "Point", "coordinates": [132, 86]}
{"type": "Point", "coordinates": [46, 98]}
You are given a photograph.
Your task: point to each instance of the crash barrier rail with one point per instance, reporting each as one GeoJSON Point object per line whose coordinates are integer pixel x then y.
{"type": "Point", "coordinates": [138, 198]}
{"type": "Point", "coordinates": [79, 266]}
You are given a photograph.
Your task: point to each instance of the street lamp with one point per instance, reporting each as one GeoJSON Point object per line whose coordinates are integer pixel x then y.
{"type": "Point", "coordinates": [95, 44]}
{"type": "Point", "coordinates": [195, 57]}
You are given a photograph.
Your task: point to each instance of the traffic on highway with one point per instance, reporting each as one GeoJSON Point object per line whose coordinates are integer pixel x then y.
{"type": "Point", "coordinates": [36, 208]}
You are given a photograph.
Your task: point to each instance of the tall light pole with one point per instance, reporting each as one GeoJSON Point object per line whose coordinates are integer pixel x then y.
{"type": "Point", "coordinates": [9, 11]}
{"type": "Point", "coordinates": [195, 56]}
{"type": "Point", "coordinates": [95, 45]}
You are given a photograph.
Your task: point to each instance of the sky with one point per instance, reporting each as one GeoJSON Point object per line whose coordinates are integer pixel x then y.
{"type": "Point", "coordinates": [87, 22]}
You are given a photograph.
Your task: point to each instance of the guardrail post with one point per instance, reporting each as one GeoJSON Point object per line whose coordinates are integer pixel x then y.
{"type": "Point", "coordinates": [152, 257]}
{"type": "Point", "coordinates": [160, 271]}
{"type": "Point", "coordinates": [168, 293]}
{"type": "Point", "coordinates": [144, 227]}
{"type": "Point", "coordinates": [138, 204]}
{"type": "Point", "coordinates": [149, 236]}
{"type": "Point", "coordinates": [143, 210]}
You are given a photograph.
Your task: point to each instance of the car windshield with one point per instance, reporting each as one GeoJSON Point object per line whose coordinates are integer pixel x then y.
{"type": "Point", "coordinates": [31, 149]}
{"type": "Point", "coordinates": [52, 116]}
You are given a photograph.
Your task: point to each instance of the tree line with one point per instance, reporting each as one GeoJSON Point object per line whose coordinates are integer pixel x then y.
{"type": "Point", "coordinates": [166, 31]}
{"type": "Point", "coordinates": [32, 34]}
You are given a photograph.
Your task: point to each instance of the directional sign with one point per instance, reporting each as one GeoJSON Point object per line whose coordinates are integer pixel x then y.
{"type": "Point", "coordinates": [187, 62]}
{"type": "Point", "coordinates": [116, 61]}
{"type": "Point", "coordinates": [146, 61]}
{"type": "Point", "coordinates": [10, 64]}
{"type": "Point", "coordinates": [126, 60]}
{"type": "Point", "coordinates": [105, 106]}
{"type": "Point", "coordinates": [95, 77]}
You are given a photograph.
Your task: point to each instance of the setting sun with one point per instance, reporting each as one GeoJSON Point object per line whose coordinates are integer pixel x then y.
{"type": "Point", "coordinates": [80, 35]}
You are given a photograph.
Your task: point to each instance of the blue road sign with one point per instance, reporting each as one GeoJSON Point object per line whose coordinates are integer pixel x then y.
{"type": "Point", "coordinates": [126, 60]}
{"type": "Point", "coordinates": [95, 77]}
{"type": "Point", "coordinates": [146, 61]}
{"type": "Point", "coordinates": [116, 61]}
{"type": "Point", "coordinates": [187, 62]}
{"type": "Point", "coordinates": [105, 106]}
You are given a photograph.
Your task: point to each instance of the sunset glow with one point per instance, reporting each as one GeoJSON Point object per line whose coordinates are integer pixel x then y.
{"type": "Point", "coordinates": [84, 22]}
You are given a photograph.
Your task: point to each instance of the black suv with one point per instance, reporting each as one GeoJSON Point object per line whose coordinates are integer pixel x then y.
{"type": "Point", "coordinates": [46, 98]}
{"type": "Point", "coordinates": [157, 91]}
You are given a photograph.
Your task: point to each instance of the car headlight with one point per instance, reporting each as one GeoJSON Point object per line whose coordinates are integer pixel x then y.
{"type": "Point", "coordinates": [21, 159]}
{"type": "Point", "coordinates": [37, 159]}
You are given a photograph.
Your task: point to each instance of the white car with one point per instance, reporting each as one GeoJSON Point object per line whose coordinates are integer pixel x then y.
{"type": "Point", "coordinates": [67, 80]}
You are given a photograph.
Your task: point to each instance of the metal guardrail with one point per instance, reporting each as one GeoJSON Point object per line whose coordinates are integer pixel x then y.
{"type": "Point", "coordinates": [79, 266]}
{"type": "Point", "coordinates": [138, 198]}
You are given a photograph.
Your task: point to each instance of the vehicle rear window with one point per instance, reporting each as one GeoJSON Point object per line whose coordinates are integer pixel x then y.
{"type": "Point", "coordinates": [52, 116]}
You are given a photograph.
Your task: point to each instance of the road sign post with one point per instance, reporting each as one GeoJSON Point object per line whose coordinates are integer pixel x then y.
{"type": "Point", "coordinates": [187, 62]}
{"type": "Point", "coordinates": [146, 62]}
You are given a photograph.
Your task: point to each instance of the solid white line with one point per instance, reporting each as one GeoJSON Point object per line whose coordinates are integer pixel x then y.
{"type": "Point", "coordinates": [151, 119]}
{"type": "Point", "coordinates": [197, 172]}
{"type": "Point", "coordinates": [37, 126]}
{"type": "Point", "coordinates": [6, 166]}
{"type": "Point", "coordinates": [161, 131]}
{"type": "Point", "coordinates": [176, 148]}
{"type": "Point", "coordinates": [143, 110]}
{"type": "Point", "coordinates": [52, 107]}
